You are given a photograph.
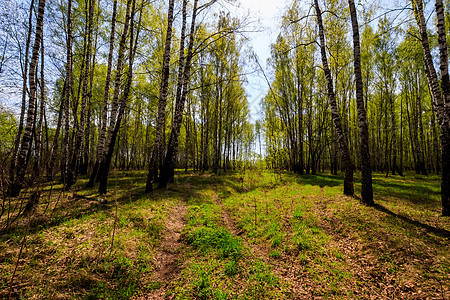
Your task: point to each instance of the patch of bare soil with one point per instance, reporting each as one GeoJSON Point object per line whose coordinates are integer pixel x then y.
{"type": "Point", "coordinates": [166, 260]}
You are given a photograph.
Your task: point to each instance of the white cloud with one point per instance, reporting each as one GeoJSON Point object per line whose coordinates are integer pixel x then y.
{"type": "Point", "coordinates": [268, 10]}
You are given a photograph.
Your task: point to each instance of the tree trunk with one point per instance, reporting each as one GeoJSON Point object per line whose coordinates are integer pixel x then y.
{"type": "Point", "coordinates": [129, 21]}
{"type": "Point", "coordinates": [54, 148]}
{"type": "Point", "coordinates": [23, 156]}
{"type": "Point", "coordinates": [79, 145]}
{"type": "Point", "coordinates": [205, 124]}
{"type": "Point", "coordinates": [436, 150]}
{"type": "Point", "coordinates": [366, 169]}
{"type": "Point", "coordinates": [421, 139]}
{"type": "Point", "coordinates": [301, 162]}
{"type": "Point", "coordinates": [101, 147]}
{"type": "Point", "coordinates": [445, 85]}
{"type": "Point", "coordinates": [386, 147]}
{"type": "Point", "coordinates": [395, 168]}
{"type": "Point", "coordinates": [117, 87]}
{"type": "Point", "coordinates": [163, 91]}
{"type": "Point", "coordinates": [167, 172]}
{"type": "Point", "coordinates": [85, 154]}
{"type": "Point", "coordinates": [38, 136]}
{"type": "Point", "coordinates": [342, 139]}
{"type": "Point", "coordinates": [401, 136]}
{"type": "Point", "coordinates": [24, 94]}
{"type": "Point", "coordinates": [441, 101]}
{"type": "Point", "coordinates": [67, 96]}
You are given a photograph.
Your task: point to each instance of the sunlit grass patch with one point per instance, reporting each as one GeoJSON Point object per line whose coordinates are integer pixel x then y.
{"type": "Point", "coordinates": [218, 239]}
{"type": "Point", "coordinates": [226, 270]}
{"type": "Point", "coordinates": [203, 215]}
{"type": "Point", "coordinates": [203, 279]}
{"type": "Point", "coordinates": [210, 278]}
{"type": "Point", "coordinates": [407, 239]}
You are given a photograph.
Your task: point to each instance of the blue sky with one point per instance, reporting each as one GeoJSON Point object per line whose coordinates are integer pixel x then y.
{"type": "Point", "coordinates": [267, 18]}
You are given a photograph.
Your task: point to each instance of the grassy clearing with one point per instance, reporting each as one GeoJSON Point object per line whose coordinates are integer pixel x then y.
{"type": "Point", "coordinates": [252, 235]}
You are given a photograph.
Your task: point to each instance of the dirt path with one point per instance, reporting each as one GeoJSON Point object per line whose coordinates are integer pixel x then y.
{"type": "Point", "coordinates": [166, 259]}
{"type": "Point", "coordinates": [226, 218]}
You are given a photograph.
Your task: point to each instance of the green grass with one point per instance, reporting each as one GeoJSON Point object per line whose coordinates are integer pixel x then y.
{"type": "Point", "coordinates": [294, 236]}
{"type": "Point", "coordinates": [218, 239]}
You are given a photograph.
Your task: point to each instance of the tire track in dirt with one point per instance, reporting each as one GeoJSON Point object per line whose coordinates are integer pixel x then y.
{"type": "Point", "coordinates": [226, 218]}
{"type": "Point", "coordinates": [166, 260]}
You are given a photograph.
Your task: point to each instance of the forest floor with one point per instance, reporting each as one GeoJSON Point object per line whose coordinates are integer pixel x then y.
{"type": "Point", "coordinates": [252, 235]}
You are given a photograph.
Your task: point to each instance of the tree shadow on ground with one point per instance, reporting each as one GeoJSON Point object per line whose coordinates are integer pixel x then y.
{"type": "Point", "coordinates": [430, 229]}
{"type": "Point", "coordinates": [126, 187]}
{"type": "Point", "coordinates": [414, 193]}
{"type": "Point", "coordinates": [239, 183]}
{"type": "Point", "coordinates": [320, 180]}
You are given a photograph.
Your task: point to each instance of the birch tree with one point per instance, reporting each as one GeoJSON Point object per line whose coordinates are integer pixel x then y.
{"type": "Point", "coordinates": [342, 139]}
{"type": "Point", "coordinates": [27, 139]}
{"type": "Point", "coordinates": [366, 168]}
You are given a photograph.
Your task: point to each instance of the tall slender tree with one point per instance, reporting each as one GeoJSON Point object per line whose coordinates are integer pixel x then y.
{"type": "Point", "coordinates": [67, 95]}
{"type": "Point", "coordinates": [129, 23]}
{"type": "Point", "coordinates": [101, 147]}
{"type": "Point", "coordinates": [441, 100]}
{"type": "Point", "coordinates": [163, 91]}
{"type": "Point", "coordinates": [118, 80]}
{"type": "Point", "coordinates": [366, 168]}
{"type": "Point", "coordinates": [27, 138]}
{"type": "Point", "coordinates": [167, 172]}
{"type": "Point", "coordinates": [24, 93]}
{"type": "Point", "coordinates": [55, 144]}
{"type": "Point", "coordinates": [342, 138]}
{"type": "Point", "coordinates": [40, 125]}
{"type": "Point", "coordinates": [445, 85]}
{"type": "Point", "coordinates": [78, 147]}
